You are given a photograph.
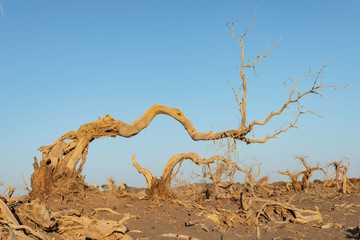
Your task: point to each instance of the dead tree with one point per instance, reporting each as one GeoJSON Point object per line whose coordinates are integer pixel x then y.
{"type": "Point", "coordinates": [224, 170]}
{"type": "Point", "coordinates": [161, 187]}
{"type": "Point", "coordinates": [344, 179]}
{"type": "Point", "coordinates": [337, 167]}
{"type": "Point", "coordinates": [251, 177]}
{"type": "Point", "coordinates": [62, 161]}
{"type": "Point", "coordinates": [340, 170]}
{"type": "Point", "coordinates": [294, 179]}
{"type": "Point", "coordinates": [306, 173]}
{"type": "Point", "coordinates": [61, 166]}
{"type": "Point", "coordinates": [325, 171]}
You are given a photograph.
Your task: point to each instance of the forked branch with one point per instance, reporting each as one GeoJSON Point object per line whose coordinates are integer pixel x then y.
{"type": "Point", "coordinates": [295, 95]}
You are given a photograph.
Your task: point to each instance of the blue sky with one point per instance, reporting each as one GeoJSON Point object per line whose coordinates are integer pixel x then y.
{"type": "Point", "coordinates": [64, 63]}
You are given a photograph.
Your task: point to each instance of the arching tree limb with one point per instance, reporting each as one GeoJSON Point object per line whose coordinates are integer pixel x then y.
{"type": "Point", "coordinates": [161, 187]}
{"type": "Point", "coordinates": [129, 130]}
{"type": "Point", "coordinates": [144, 171]}
{"type": "Point", "coordinates": [60, 159]}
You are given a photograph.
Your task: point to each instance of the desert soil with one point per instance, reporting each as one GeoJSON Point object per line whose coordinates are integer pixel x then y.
{"type": "Point", "coordinates": [188, 214]}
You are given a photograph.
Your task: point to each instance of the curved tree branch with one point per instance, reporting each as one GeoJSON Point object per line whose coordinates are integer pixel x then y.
{"type": "Point", "coordinates": [60, 159]}
{"type": "Point", "coordinates": [129, 130]}
{"type": "Point", "coordinates": [161, 187]}
{"type": "Point", "coordinates": [144, 171]}
{"type": "Point", "coordinates": [109, 127]}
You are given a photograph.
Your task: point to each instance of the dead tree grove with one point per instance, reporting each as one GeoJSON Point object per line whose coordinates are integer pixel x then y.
{"type": "Point", "coordinates": [60, 168]}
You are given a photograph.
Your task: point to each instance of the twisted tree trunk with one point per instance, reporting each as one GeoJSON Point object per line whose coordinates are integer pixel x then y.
{"type": "Point", "coordinates": [60, 167]}
{"type": "Point", "coordinates": [59, 160]}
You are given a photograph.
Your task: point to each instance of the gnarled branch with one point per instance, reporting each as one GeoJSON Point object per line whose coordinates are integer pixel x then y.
{"type": "Point", "coordinates": [161, 187]}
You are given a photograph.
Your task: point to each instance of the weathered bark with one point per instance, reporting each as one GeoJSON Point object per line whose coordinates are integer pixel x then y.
{"type": "Point", "coordinates": [161, 187]}
{"type": "Point", "coordinates": [58, 167]}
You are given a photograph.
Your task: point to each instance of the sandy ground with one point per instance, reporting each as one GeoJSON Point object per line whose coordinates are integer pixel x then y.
{"type": "Point", "coordinates": [189, 215]}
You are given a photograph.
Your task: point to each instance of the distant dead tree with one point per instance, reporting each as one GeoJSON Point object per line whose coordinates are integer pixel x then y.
{"type": "Point", "coordinates": [341, 180]}
{"type": "Point", "coordinates": [294, 179]}
{"type": "Point", "coordinates": [251, 177]}
{"type": "Point", "coordinates": [222, 175]}
{"type": "Point", "coordinates": [62, 162]}
{"type": "Point", "coordinates": [307, 173]}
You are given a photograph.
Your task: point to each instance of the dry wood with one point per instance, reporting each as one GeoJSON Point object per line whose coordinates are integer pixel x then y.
{"type": "Point", "coordinates": [12, 223]}
{"type": "Point", "coordinates": [306, 175]}
{"type": "Point", "coordinates": [69, 223]}
{"type": "Point", "coordinates": [38, 214]}
{"type": "Point", "coordinates": [297, 216]}
{"type": "Point", "coordinates": [161, 187]}
{"type": "Point", "coordinates": [308, 172]}
{"type": "Point", "coordinates": [251, 177]}
{"type": "Point", "coordinates": [295, 95]}
{"type": "Point", "coordinates": [59, 160]}
{"type": "Point", "coordinates": [29, 229]}
{"type": "Point", "coordinates": [178, 236]}
{"type": "Point", "coordinates": [91, 228]}
{"type": "Point", "coordinates": [294, 179]}
{"type": "Point", "coordinates": [341, 181]}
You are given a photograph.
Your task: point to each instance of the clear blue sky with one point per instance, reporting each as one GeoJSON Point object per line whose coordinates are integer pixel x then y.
{"type": "Point", "coordinates": [64, 63]}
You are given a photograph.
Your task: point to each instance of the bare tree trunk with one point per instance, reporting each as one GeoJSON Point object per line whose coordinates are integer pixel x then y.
{"type": "Point", "coordinates": [60, 166]}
